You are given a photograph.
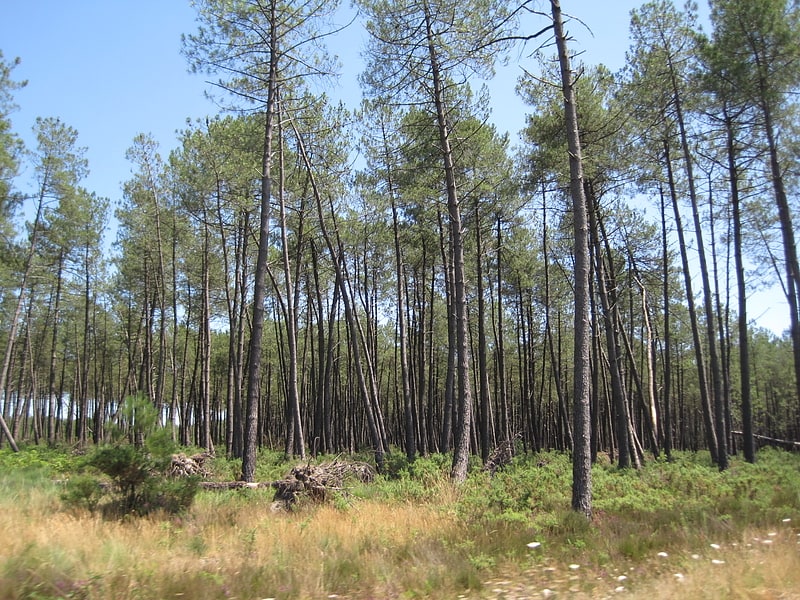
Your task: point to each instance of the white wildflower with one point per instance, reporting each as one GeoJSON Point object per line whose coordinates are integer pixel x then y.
{"type": "Point", "coordinates": [533, 545]}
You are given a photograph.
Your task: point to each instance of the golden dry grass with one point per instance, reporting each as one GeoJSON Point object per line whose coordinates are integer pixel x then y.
{"type": "Point", "coordinates": [750, 569]}
{"type": "Point", "coordinates": [444, 543]}
{"type": "Point", "coordinates": [227, 548]}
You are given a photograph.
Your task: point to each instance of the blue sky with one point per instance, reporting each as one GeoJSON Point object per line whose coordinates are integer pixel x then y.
{"type": "Point", "coordinates": [113, 69]}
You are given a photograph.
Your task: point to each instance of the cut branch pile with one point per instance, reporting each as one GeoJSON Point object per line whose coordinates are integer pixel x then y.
{"type": "Point", "coordinates": [189, 466]}
{"type": "Point", "coordinates": [316, 482]}
{"type": "Point", "coordinates": [500, 457]}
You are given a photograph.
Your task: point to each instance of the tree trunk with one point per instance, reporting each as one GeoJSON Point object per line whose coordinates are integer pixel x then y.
{"type": "Point", "coordinates": [748, 441]}
{"type": "Point", "coordinates": [667, 386]}
{"type": "Point", "coordinates": [461, 448]}
{"type": "Point", "coordinates": [409, 422]}
{"type": "Point", "coordinates": [618, 392]}
{"type": "Point", "coordinates": [251, 441]}
{"type": "Point", "coordinates": [711, 338]}
{"type": "Point", "coordinates": [711, 437]}
{"type": "Point", "coordinates": [789, 241]}
{"type": "Point", "coordinates": [484, 421]}
{"type": "Point", "coordinates": [581, 452]}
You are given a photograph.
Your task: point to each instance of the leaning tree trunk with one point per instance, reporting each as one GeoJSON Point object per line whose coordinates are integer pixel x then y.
{"type": "Point", "coordinates": [371, 405]}
{"type": "Point", "coordinates": [618, 392]}
{"type": "Point", "coordinates": [250, 449]}
{"type": "Point", "coordinates": [295, 439]}
{"type": "Point", "coordinates": [789, 242]}
{"type": "Point", "coordinates": [461, 447]}
{"type": "Point", "coordinates": [711, 338]}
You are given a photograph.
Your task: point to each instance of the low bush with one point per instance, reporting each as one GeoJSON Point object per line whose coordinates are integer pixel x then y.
{"type": "Point", "coordinates": [124, 480]}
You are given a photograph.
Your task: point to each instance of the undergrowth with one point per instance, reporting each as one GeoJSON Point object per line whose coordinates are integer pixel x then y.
{"type": "Point", "coordinates": [409, 534]}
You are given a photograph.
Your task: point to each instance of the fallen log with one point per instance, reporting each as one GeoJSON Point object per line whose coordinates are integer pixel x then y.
{"type": "Point", "coordinates": [234, 485]}
{"type": "Point", "coordinates": [790, 444]}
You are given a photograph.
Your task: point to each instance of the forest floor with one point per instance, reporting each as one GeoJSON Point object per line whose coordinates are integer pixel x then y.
{"type": "Point", "coordinates": [678, 529]}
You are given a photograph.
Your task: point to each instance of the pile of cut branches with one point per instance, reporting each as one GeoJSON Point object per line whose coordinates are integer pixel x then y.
{"type": "Point", "coordinates": [500, 457]}
{"type": "Point", "coordinates": [189, 466]}
{"type": "Point", "coordinates": [319, 482]}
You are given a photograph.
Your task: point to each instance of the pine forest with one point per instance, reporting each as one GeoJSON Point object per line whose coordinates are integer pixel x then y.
{"type": "Point", "coordinates": [400, 279]}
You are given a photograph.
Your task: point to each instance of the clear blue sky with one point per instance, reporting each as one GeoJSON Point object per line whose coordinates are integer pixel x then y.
{"type": "Point", "coordinates": [113, 69]}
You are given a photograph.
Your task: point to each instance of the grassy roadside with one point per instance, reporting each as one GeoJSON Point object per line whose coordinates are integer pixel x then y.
{"type": "Point", "coordinates": [671, 530]}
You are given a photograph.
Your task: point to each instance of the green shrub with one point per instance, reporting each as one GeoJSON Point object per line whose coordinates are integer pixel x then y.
{"type": "Point", "coordinates": [137, 484]}
{"type": "Point", "coordinates": [127, 466]}
{"type": "Point", "coordinates": [83, 492]}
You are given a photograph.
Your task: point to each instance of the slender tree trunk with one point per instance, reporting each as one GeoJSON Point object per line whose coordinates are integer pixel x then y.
{"type": "Point", "coordinates": [667, 387]}
{"type": "Point", "coordinates": [56, 321]}
{"type": "Point", "coordinates": [298, 446]}
{"type": "Point", "coordinates": [251, 441]}
{"type": "Point", "coordinates": [748, 441]}
{"type": "Point", "coordinates": [789, 241]}
{"type": "Point", "coordinates": [705, 402]}
{"type": "Point", "coordinates": [12, 333]}
{"type": "Point", "coordinates": [446, 245]}
{"type": "Point", "coordinates": [409, 422]}
{"type": "Point", "coordinates": [461, 449]}
{"type": "Point", "coordinates": [484, 421]}
{"type": "Point", "coordinates": [555, 362]}
{"type": "Point", "coordinates": [502, 392]}
{"type": "Point", "coordinates": [372, 407]}
{"type": "Point", "coordinates": [581, 451]}
{"type": "Point", "coordinates": [204, 342]}
{"type": "Point", "coordinates": [618, 392]}
{"type": "Point", "coordinates": [83, 391]}
{"type": "Point", "coordinates": [711, 337]}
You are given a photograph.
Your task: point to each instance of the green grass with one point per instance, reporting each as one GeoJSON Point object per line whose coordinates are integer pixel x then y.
{"type": "Point", "coordinates": [413, 534]}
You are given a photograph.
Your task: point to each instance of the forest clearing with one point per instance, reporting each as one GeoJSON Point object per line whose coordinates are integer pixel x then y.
{"type": "Point", "coordinates": [679, 529]}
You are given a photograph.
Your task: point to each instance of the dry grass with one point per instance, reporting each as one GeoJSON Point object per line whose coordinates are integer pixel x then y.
{"type": "Point", "coordinates": [759, 567]}
{"type": "Point", "coordinates": [429, 541]}
{"type": "Point", "coordinates": [228, 547]}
